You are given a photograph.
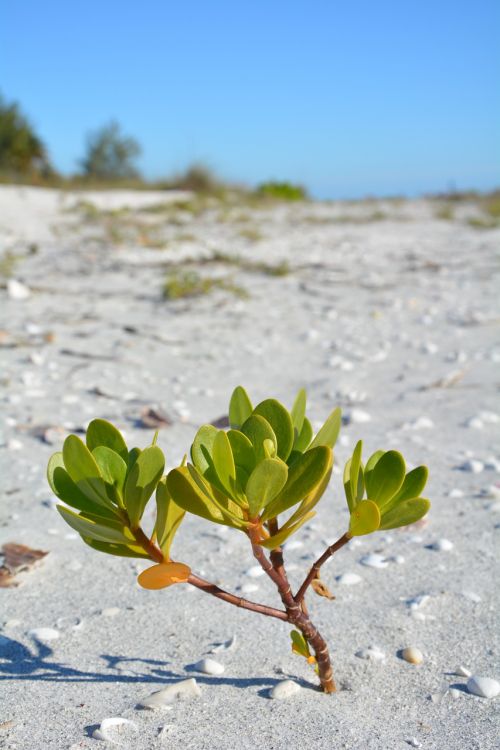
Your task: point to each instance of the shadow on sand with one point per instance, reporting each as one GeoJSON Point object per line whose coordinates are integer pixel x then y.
{"type": "Point", "coordinates": [17, 662]}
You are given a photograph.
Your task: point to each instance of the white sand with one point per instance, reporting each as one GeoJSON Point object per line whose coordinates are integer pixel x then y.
{"type": "Point", "coordinates": [376, 317]}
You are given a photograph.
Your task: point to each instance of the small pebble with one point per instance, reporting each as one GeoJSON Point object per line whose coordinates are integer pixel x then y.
{"type": "Point", "coordinates": [412, 655]}
{"type": "Point", "coordinates": [349, 579]}
{"type": "Point", "coordinates": [472, 465]}
{"type": "Point", "coordinates": [358, 416]}
{"type": "Point", "coordinates": [463, 672]}
{"type": "Point", "coordinates": [249, 588]}
{"type": "Point", "coordinates": [161, 698]}
{"type": "Point", "coordinates": [374, 560]}
{"type": "Point", "coordinates": [442, 545]}
{"type": "Point", "coordinates": [418, 601]}
{"type": "Point", "coordinates": [14, 445]}
{"type": "Point", "coordinates": [209, 666]}
{"type": "Point", "coordinates": [43, 634]}
{"type": "Point", "coordinates": [471, 596]}
{"type": "Point", "coordinates": [284, 689]}
{"type": "Point", "coordinates": [484, 687]}
{"type": "Point", "coordinates": [455, 492]}
{"type": "Point", "coordinates": [413, 742]}
{"type": "Point", "coordinates": [372, 653]}
{"type": "Point", "coordinates": [17, 290]}
{"type": "Point", "coordinates": [474, 423]}
{"type": "Point", "coordinates": [254, 572]}
{"type": "Point", "coordinates": [455, 694]}
{"type": "Point", "coordinates": [110, 611]}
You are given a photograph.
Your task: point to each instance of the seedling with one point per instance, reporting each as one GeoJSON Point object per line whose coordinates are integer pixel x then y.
{"type": "Point", "coordinates": [263, 478]}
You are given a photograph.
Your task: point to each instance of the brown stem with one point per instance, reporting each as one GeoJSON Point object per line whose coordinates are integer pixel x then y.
{"type": "Point", "coordinates": [314, 572]}
{"type": "Point", "coordinates": [296, 615]}
{"type": "Point", "coordinates": [211, 588]}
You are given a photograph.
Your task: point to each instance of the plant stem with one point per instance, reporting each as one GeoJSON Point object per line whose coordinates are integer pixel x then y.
{"type": "Point", "coordinates": [295, 614]}
{"type": "Point", "coordinates": [211, 588]}
{"type": "Point", "coordinates": [314, 572]}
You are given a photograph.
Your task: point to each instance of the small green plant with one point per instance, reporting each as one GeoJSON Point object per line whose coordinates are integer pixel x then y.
{"type": "Point", "coordinates": [263, 478]}
{"type": "Point", "coordinates": [283, 191]}
{"type": "Point", "coordinates": [185, 284]}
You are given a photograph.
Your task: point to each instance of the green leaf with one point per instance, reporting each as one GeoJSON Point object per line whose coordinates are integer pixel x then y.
{"type": "Point", "coordinates": [298, 412]}
{"type": "Point", "coordinates": [168, 518]}
{"type": "Point", "coordinates": [413, 485]}
{"type": "Point", "coordinates": [365, 518]}
{"type": "Point", "coordinates": [278, 539]}
{"type": "Point", "coordinates": [313, 498]}
{"type": "Point", "coordinates": [100, 432]}
{"type": "Point", "coordinates": [141, 482]}
{"type": "Point", "coordinates": [112, 467]}
{"type": "Point", "coordinates": [303, 477]}
{"type": "Point", "coordinates": [65, 489]}
{"type": "Point", "coordinates": [240, 407]}
{"type": "Point", "coordinates": [244, 455]}
{"type": "Point", "coordinates": [132, 457]}
{"type": "Point", "coordinates": [257, 429]}
{"type": "Point", "coordinates": [224, 462]}
{"type": "Point", "coordinates": [230, 510]}
{"type": "Point", "coordinates": [202, 448]}
{"type": "Point", "coordinates": [356, 472]}
{"type": "Point", "coordinates": [83, 470]}
{"type": "Point", "coordinates": [120, 550]}
{"type": "Point", "coordinates": [299, 644]}
{"type": "Point", "coordinates": [370, 466]}
{"type": "Point", "coordinates": [329, 432]}
{"type": "Point", "coordinates": [351, 502]}
{"type": "Point", "coordinates": [404, 513]}
{"type": "Point", "coordinates": [386, 478]}
{"type": "Point", "coordinates": [106, 531]}
{"type": "Point", "coordinates": [187, 494]}
{"type": "Point", "coordinates": [279, 419]}
{"type": "Point", "coordinates": [303, 440]}
{"type": "Point", "coordinates": [265, 482]}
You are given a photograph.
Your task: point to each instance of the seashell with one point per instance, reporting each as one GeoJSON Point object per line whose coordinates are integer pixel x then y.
{"type": "Point", "coordinates": [349, 579]}
{"type": "Point", "coordinates": [374, 560]}
{"type": "Point", "coordinates": [372, 653]}
{"type": "Point", "coordinates": [115, 729]}
{"type": "Point", "coordinates": [484, 687]}
{"type": "Point", "coordinates": [412, 655]}
{"type": "Point", "coordinates": [43, 634]}
{"type": "Point", "coordinates": [183, 689]}
{"type": "Point", "coordinates": [209, 666]}
{"type": "Point", "coordinates": [284, 689]}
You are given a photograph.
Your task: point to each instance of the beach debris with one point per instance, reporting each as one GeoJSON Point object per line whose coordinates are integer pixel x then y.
{"type": "Point", "coordinates": [156, 419]}
{"type": "Point", "coordinates": [223, 646]}
{"type": "Point", "coordinates": [349, 579]}
{"type": "Point", "coordinates": [413, 742]}
{"type": "Point", "coordinates": [321, 589]}
{"type": "Point", "coordinates": [183, 690]}
{"type": "Point", "coordinates": [372, 653]}
{"type": "Point", "coordinates": [44, 634]}
{"type": "Point", "coordinates": [116, 730]}
{"type": "Point", "coordinates": [441, 545]}
{"type": "Point", "coordinates": [412, 655]}
{"type": "Point", "coordinates": [284, 689]}
{"type": "Point", "coordinates": [17, 558]}
{"type": "Point", "coordinates": [165, 731]}
{"type": "Point", "coordinates": [484, 687]}
{"type": "Point", "coordinates": [17, 290]}
{"type": "Point", "coordinates": [374, 560]}
{"type": "Point", "coordinates": [209, 666]}
{"type": "Point", "coordinates": [463, 672]}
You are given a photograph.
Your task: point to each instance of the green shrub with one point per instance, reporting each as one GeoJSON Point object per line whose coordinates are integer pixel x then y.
{"type": "Point", "coordinates": [283, 191]}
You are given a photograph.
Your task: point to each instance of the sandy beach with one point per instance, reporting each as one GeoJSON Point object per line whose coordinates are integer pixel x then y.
{"type": "Point", "coordinates": [388, 309]}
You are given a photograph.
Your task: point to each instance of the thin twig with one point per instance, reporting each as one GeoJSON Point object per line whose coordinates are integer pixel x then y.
{"type": "Point", "coordinates": [211, 588]}
{"type": "Point", "coordinates": [314, 572]}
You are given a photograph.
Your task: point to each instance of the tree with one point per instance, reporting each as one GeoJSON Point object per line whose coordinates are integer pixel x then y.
{"type": "Point", "coordinates": [109, 154]}
{"type": "Point", "coordinates": [21, 150]}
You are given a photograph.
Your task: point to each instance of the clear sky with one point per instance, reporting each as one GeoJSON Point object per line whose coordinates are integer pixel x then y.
{"type": "Point", "coordinates": [350, 98]}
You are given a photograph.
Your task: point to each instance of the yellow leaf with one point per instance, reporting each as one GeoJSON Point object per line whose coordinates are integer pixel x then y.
{"type": "Point", "coordinates": [164, 574]}
{"type": "Point", "coordinates": [365, 518]}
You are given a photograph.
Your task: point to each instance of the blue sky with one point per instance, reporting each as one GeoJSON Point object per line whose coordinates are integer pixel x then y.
{"type": "Point", "coordinates": [349, 98]}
